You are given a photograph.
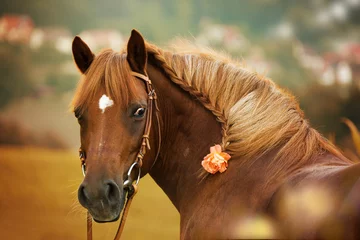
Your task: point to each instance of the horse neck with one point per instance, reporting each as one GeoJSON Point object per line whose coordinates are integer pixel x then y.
{"type": "Point", "coordinates": [188, 130]}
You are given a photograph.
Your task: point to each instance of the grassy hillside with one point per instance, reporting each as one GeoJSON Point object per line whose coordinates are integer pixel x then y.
{"type": "Point", "coordinates": [38, 200]}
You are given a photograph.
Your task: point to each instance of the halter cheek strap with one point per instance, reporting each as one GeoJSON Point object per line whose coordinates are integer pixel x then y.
{"type": "Point", "coordinates": [152, 100]}
{"type": "Point", "coordinates": [129, 183]}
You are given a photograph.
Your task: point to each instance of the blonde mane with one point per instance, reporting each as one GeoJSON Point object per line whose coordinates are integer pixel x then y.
{"type": "Point", "coordinates": [256, 115]}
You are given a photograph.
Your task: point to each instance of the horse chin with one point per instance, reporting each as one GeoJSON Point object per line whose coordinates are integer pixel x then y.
{"type": "Point", "coordinates": [101, 215]}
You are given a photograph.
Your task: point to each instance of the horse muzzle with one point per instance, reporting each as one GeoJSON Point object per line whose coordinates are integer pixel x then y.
{"type": "Point", "coordinates": [103, 199]}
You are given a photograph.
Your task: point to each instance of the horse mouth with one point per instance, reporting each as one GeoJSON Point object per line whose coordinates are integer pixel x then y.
{"type": "Point", "coordinates": [107, 214]}
{"type": "Point", "coordinates": [107, 221]}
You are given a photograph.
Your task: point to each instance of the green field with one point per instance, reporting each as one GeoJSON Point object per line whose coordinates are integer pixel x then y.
{"type": "Point", "coordinates": [39, 200]}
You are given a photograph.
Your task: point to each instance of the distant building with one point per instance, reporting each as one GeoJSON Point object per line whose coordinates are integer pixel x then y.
{"type": "Point", "coordinates": [16, 29]}
{"type": "Point", "coordinates": [353, 53]}
{"type": "Point", "coordinates": [58, 37]}
{"type": "Point", "coordinates": [309, 58]}
{"type": "Point", "coordinates": [229, 37]}
{"type": "Point", "coordinates": [256, 60]}
{"type": "Point", "coordinates": [340, 67]}
{"type": "Point", "coordinates": [103, 38]}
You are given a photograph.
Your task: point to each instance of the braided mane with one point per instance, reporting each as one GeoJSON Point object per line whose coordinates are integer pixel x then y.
{"type": "Point", "coordinates": [256, 115]}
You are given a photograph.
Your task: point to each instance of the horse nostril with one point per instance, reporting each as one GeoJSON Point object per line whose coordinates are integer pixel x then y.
{"type": "Point", "coordinates": [107, 190]}
{"type": "Point", "coordinates": [112, 191]}
{"type": "Point", "coordinates": [90, 195]}
{"type": "Point", "coordinates": [82, 196]}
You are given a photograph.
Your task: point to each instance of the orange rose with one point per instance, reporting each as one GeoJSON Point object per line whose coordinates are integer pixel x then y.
{"type": "Point", "coordinates": [216, 160]}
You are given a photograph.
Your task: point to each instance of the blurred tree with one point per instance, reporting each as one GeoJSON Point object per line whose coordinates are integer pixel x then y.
{"type": "Point", "coordinates": [162, 19]}
{"type": "Point", "coordinates": [315, 22]}
{"type": "Point", "coordinates": [75, 14]}
{"type": "Point", "coordinates": [61, 83]}
{"type": "Point", "coordinates": [322, 106]}
{"type": "Point", "coordinates": [15, 73]}
{"type": "Point", "coordinates": [351, 107]}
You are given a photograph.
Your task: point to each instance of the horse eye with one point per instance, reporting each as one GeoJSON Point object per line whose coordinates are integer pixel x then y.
{"type": "Point", "coordinates": [77, 114]}
{"type": "Point", "coordinates": [139, 112]}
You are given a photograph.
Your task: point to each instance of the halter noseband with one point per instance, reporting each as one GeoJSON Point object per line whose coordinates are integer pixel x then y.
{"type": "Point", "coordinates": [129, 183]}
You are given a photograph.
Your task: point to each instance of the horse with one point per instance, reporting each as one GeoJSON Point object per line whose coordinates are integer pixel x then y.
{"type": "Point", "coordinates": [280, 176]}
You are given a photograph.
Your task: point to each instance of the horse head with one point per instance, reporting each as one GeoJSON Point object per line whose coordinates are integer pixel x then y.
{"type": "Point", "coordinates": [112, 108]}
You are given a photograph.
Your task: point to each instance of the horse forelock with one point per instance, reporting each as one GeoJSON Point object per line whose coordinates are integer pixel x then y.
{"type": "Point", "coordinates": [109, 72]}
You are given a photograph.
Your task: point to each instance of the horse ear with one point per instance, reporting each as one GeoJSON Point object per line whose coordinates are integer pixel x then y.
{"type": "Point", "coordinates": [136, 52]}
{"type": "Point", "coordinates": [82, 54]}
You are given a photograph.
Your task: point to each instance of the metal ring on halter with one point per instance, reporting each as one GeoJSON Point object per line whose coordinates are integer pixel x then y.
{"type": "Point", "coordinates": [83, 169]}
{"type": "Point", "coordinates": [128, 182]}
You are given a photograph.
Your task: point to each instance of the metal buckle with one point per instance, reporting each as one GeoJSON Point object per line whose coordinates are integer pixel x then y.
{"type": "Point", "coordinates": [128, 182]}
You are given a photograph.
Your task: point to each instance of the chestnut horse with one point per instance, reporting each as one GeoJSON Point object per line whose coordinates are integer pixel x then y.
{"type": "Point", "coordinates": [283, 179]}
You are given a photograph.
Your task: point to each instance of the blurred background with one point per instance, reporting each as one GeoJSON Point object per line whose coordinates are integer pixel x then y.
{"type": "Point", "coordinates": [310, 47]}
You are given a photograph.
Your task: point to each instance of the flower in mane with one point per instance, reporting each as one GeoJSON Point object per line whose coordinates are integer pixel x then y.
{"type": "Point", "coordinates": [216, 160]}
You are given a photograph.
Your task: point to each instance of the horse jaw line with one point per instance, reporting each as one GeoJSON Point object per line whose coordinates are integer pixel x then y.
{"type": "Point", "coordinates": [105, 102]}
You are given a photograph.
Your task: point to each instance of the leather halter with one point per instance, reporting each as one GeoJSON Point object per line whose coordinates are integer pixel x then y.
{"type": "Point", "coordinates": [129, 185]}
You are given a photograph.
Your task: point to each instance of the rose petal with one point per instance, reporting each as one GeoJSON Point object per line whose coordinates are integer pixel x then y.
{"type": "Point", "coordinates": [212, 149]}
{"type": "Point", "coordinates": [208, 156]}
{"type": "Point", "coordinates": [207, 167]}
{"type": "Point", "coordinates": [218, 158]}
{"type": "Point", "coordinates": [214, 167]}
{"type": "Point", "coordinates": [222, 168]}
{"type": "Point", "coordinates": [218, 148]}
{"type": "Point", "coordinates": [225, 155]}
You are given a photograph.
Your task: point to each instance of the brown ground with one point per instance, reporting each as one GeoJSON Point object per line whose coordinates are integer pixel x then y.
{"type": "Point", "coordinates": [38, 201]}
